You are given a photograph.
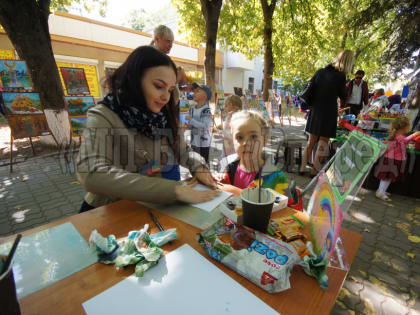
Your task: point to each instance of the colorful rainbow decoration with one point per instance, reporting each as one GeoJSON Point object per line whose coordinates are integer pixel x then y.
{"type": "Point", "coordinates": [325, 218]}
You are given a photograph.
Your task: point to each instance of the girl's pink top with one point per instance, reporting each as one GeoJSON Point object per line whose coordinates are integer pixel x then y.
{"type": "Point", "coordinates": [397, 148]}
{"type": "Point", "coordinates": [244, 178]}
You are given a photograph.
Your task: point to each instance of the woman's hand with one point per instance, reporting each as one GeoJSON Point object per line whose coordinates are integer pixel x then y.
{"type": "Point", "coordinates": [235, 191]}
{"type": "Point", "coordinates": [188, 194]}
{"type": "Point", "coordinates": [204, 176]}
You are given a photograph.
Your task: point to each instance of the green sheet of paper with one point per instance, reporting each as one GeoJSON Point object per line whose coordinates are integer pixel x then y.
{"type": "Point", "coordinates": [48, 256]}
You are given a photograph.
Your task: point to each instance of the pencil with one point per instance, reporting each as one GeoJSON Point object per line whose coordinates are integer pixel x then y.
{"type": "Point", "coordinates": [155, 220]}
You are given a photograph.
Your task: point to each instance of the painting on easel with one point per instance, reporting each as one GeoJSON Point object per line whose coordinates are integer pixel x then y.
{"type": "Point", "coordinates": [21, 103]}
{"type": "Point", "coordinates": [78, 124]}
{"type": "Point", "coordinates": [25, 126]}
{"type": "Point", "coordinates": [14, 75]}
{"type": "Point", "coordinates": [79, 105]}
{"type": "Point", "coordinates": [75, 81]}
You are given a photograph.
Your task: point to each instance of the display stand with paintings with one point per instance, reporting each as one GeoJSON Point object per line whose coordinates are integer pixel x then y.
{"type": "Point", "coordinates": [78, 100]}
{"type": "Point", "coordinates": [184, 111]}
{"type": "Point", "coordinates": [25, 117]}
{"type": "Point", "coordinates": [21, 106]}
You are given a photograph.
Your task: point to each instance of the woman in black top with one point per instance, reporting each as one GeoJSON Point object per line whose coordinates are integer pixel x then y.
{"type": "Point", "coordinates": [329, 84]}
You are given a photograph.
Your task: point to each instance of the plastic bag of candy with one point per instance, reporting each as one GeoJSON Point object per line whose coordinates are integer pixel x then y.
{"type": "Point", "coordinates": [266, 261]}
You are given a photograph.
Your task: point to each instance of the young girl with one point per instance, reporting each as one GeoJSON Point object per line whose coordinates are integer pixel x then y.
{"type": "Point", "coordinates": [233, 104]}
{"type": "Point", "coordinates": [250, 133]}
{"type": "Point", "coordinates": [392, 164]}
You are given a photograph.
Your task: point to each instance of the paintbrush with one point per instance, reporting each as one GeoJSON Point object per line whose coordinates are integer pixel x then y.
{"type": "Point", "coordinates": [11, 253]}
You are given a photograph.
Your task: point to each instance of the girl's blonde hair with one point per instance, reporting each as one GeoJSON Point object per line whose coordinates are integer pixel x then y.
{"type": "Point", "coordinates": [235, 101]}
{"type": "Point", "coordinates": [252, 115]}
{"type": "Point", "coordinates": [344, 61]}
{"type": "Point", "coordinates": [398, 124]}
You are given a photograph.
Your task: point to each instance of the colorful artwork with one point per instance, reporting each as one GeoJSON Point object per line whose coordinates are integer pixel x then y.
{"type": "Point", "coordinates": [21, 103]}
{"type": "Point", "coordinates": [14, 74]}
{"type": "Point", "coordinates": [325, 217]}
{"type": "Point", "coordinates": [79, 105]}
{"type": "Point", "coordinates": [24, 126]}
{"type": "Point", "coordinates": [7, 54]}
{"type": "Point", "coordinates": [91, 74]}
{"type": "Point", "coordinates": [75, 81]}
{"type": "Point", "coordinates": [184, 108]}
{"type": "Point", "coordinates": [78, 124]}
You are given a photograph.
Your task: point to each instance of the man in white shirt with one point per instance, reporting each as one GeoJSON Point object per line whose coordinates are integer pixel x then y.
{"type": "Point", "coordinates": [358, 94]}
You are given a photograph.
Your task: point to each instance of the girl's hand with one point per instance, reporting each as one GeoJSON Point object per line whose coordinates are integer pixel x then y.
{"type": "Point", "coordinates": [235, 191]}
{"type": "Point", "coordinates": [204, 176]}
{"type": "Point", "coordinates": [188, 194]}
{"type": "Point", "coordinates": [416, 134]}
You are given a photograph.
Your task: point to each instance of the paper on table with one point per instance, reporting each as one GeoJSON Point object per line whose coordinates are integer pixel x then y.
{"type": "Point", "coordinates": [210, 205]}
{"type": "Point", "coordinates": [184, 282]}
{"type": "Point", "coordinates": [48, 256]}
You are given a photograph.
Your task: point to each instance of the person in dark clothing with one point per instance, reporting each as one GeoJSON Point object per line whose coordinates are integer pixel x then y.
{"type": "Point", "coordinates": [394, 99]}
{"type": "Point", "coordinates": [329, 84]}
{"type": "Point", "coordinates": [357, 94]}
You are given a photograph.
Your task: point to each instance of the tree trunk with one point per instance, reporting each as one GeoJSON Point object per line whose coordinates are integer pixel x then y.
{"type": "Point", "coordinates": [268, 11]}
{"type": "Point", "coordinates": [211, 12]}
{"type": "Point", "coordinates": [26, 24]}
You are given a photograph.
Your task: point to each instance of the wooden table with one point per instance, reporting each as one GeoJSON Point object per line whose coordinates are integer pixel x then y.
{"type": "Point", "coordinates": [67, 295]}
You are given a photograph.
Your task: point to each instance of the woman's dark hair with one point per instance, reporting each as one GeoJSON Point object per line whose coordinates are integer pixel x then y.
{"type": "Point", "coordinates": [126, 81]}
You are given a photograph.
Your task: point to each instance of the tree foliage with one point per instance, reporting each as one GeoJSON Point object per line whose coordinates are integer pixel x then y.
{"type": "Point", "coordinates": [402, 29]}
{"type": "Point", "coordinates": [307, 35]}
{"type": "Point", "coordinates": [142, 20]}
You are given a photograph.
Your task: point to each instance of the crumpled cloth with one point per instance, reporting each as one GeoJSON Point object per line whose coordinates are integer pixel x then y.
{"type": "Point", "coordinates": [316, 267]}
{"type": "Point", "coordinates": [140, 248]}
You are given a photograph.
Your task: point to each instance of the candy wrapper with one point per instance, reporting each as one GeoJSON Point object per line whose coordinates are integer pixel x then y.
{"type": "Point", "coordinates": [266, 261]}
{"type": "Point", "coordinates": [140, 248]}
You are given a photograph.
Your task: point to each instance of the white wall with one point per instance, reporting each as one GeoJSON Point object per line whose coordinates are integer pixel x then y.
{"type": "Point", "coordinates": [66, 26]}
{"type": "Point", "coordinates": [257, 74]}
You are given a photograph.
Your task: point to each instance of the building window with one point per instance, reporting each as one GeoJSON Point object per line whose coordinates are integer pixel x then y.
{"type": "Point", "coordinates": [251, 85]}
{"type": "Point", "coordinates": [275, 85]}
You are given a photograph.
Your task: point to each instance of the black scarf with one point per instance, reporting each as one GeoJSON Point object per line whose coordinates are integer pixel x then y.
{"type": "Point", "coordinates": [152, 125]}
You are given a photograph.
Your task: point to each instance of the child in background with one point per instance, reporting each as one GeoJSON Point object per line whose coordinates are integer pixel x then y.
{"type": "Point", "coordinates": [250, 133]}
{"type": "Point", "coordinates": [392, 164]}
{"type": "Point", "coordinates": [233, 104]}
{"type": "Point", "coordinates": [200, 121]}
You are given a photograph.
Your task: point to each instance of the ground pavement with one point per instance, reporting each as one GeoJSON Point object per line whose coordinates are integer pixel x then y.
{"type": "Point", "coordinates": [384, 277]}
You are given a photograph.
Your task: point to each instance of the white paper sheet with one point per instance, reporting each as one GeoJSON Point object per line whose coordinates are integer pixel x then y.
{"type": "Point", "coordinates": [210, 205]}
{"type": "Point", "coordinates": [183, 282]}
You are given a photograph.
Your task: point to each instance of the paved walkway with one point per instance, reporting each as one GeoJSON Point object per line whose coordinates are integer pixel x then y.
{"type": "Point", "coordinates": [384, 277]}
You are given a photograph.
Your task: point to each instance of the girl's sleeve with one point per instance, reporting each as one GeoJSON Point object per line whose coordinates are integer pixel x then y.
{"type": "Point", "coordinates": [409, 138]}
{"type": "Point", "coordinates": [205, 121]}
